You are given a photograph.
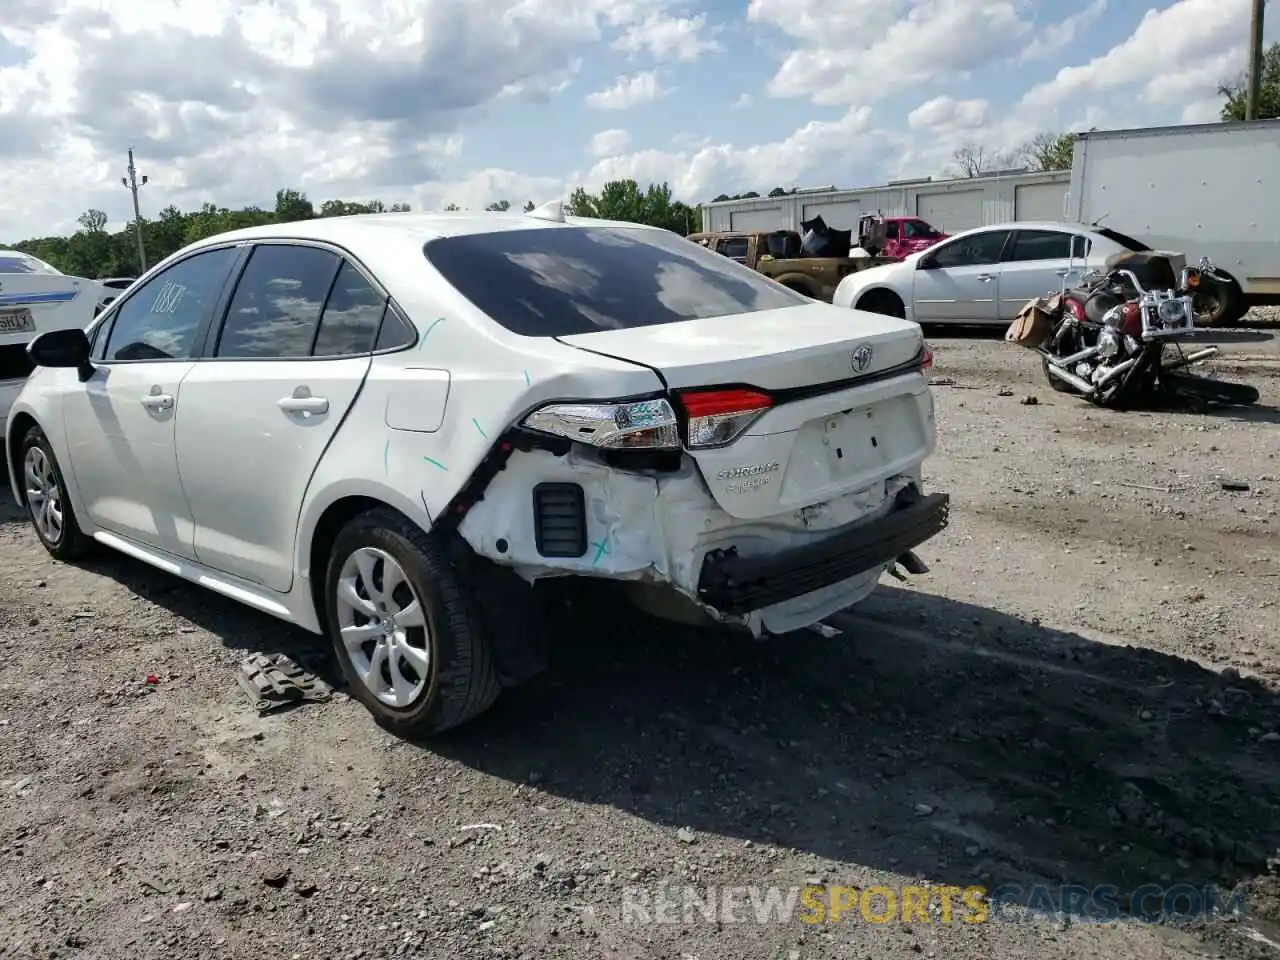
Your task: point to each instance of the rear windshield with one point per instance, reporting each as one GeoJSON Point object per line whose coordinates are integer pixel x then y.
{"type": "Point", "coordinates": [1125, 241]}
{"type": "Point", "coordinates": [14, 262]}
{"type": "Point", "coordinates": [560, 281]}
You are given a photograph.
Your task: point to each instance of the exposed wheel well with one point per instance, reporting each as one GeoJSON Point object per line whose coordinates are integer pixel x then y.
{"type": "Point", "coordinates": [17, 430]}
{"type": "Point", "coordinates": [336, 516]}
{"type": "Point", "coordinates": [883, 301]}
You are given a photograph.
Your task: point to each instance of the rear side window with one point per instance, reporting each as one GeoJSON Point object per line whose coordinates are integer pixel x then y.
{"type": "Point", "coordinates": [275, 311]}
{"type": "Point", "coordinates": [349, 325]}
{"type": "Point", "coordinates": [561, 281]}
{"type": "Point", "coordinates": [1047, 245]}
{"type": "Point", "coordinates": [735, 248]}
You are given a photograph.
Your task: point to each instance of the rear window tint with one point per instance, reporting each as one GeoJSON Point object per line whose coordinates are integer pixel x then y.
{"type": "Point", "coordinates": [560, 281]}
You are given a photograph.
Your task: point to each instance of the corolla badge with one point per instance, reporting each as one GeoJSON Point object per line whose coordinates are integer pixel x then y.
{"type": "Point", "coordinates": [862, 358]}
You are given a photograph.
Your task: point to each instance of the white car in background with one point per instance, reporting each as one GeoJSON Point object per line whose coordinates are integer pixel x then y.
{"type": "Point", "coordinates": [385, 428]}
{"type": "Point", "coordinates": [985, 275]}
{"type": "Point", "coordinates": [35, 297]}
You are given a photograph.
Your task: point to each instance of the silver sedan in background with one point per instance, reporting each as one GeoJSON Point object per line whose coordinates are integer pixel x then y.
{"type": "Point", "coordinates": [984, 275]}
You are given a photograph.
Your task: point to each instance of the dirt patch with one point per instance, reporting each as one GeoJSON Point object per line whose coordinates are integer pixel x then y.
{"type": "Point", "coordinates": [1083, 692]}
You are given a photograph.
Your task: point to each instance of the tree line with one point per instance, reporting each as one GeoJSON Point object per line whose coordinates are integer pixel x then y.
{"type": "Point", "coordinates": [93, 251]}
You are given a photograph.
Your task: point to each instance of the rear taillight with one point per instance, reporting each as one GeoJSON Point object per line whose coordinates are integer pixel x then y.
{"type": "Point", "coordinates": [627, 425]}
{"type": "Point", "coordinates": [1076, 308]}
{"type": "Point", "coordinates": [718, 417]}
{"type": "Point", "coordinates": [926, 364]}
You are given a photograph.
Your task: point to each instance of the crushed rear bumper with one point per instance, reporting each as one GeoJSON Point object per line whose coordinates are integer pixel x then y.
{"type": "Point", "coordinates": [737, 585]}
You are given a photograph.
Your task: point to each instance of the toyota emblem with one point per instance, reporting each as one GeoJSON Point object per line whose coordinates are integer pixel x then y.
{"type": "Point", "coordinates": [862, 358]}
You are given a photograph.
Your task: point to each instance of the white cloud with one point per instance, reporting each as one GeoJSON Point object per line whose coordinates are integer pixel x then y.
{"type": "Point", "coordinates": [1050, 38]}
{"type": "Point", "coordinates": [946, 114]}
{"type": "Point", "coordinates": [669, 38]}
{"type": "Point", "coordinates": [696, 171]}
{"type": "Point", "coordinates": [227, 100]}
{"type": "Point", "coordinates": [1201, 36]}
{"type": "Point", "coordinates": [627, 92]}
{"type": "Point", "coordinates": [610, 143]}
{"type": "Point", "coordinates": [858, 51]}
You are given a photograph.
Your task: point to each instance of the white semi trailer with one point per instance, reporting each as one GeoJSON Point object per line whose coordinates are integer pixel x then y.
{"type": "Point", "coordinates": [1209, 189]}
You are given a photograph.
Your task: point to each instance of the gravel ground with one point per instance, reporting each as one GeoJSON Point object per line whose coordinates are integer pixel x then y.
{"type": "Point", "coordinates": [1083, 691]}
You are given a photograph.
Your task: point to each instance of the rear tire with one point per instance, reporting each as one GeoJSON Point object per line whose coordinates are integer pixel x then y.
{"type": "Point", "coordinates": [44, 493]}
{"type": "Point", "coordinates": [884, 302]}
{"type": "Point", "coordinates": [418, 673]}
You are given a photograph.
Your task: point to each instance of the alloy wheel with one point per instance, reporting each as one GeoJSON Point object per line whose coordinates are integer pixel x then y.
{"type": "Point", "coordinates": [44, 496]}
{"type": "Point", "coordinates": [383, 627]}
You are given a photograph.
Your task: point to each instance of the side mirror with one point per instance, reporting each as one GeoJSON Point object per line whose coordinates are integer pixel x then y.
{"type": "Point", "coordinates": [62, 348]}
{"type": "Point", "coordinates": [926, 263]}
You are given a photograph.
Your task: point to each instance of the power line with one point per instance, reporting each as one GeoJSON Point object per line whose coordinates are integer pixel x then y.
{"type": "Point", "coordinates": [131, 181]}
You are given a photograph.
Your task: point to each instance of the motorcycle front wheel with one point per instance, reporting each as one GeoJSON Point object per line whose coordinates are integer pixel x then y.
{"type": "Point", "coordinates": [1210, 390]}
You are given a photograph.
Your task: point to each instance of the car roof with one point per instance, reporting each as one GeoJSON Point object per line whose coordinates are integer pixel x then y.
{"type": "Point", "coordinates": [396, 228]}
{"type": "Point", "coordinates": [1064, 225]}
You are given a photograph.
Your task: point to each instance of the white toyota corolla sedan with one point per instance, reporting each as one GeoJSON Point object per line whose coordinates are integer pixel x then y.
{"type": "Point", "coordinates": [386, 428]}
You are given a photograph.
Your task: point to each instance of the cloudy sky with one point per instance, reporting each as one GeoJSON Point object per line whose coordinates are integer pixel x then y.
{"type": "Point", "coordinates": [449, 101]}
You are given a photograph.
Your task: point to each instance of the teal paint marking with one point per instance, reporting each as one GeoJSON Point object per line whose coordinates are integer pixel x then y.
{"type": "Point", "coordinates": [480, 428]}
{"type": "Point", "coordinates": [602, 549]}
{"type": "Point", "coordinates": [527, 381]}
{"type": "Point", "coordinates": [435, 323]}
{"type": "Point", "coordinates": [435, 463]}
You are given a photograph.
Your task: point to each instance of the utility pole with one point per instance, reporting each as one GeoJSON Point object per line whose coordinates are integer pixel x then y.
{"type": "Point", "coordinates": [131, 181]}
{"type": "Point", "coordinates": [1254, 89]}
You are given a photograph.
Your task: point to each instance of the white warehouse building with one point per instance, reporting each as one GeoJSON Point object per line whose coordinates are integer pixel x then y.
{"type": "Point", "coordinates": [949, 205]}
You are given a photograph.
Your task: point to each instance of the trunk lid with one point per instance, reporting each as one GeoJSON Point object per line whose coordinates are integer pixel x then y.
{"type": "Point", "coordinates": [34, 303]}
{"type": "Point", "coordinates": [850, 409]}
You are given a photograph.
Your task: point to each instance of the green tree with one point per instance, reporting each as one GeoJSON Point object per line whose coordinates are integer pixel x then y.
{"type": "Point", "coordinates": [500, 206]}
{"type": "Point", "coordinates": [528, 205]}
{"type": "Point", "coordinates": [777, 192]}
{"type": "Point", "coordinates": [451, 207]}
{"type": "Point", "coordinates": [93, 221]}
{"type": "Point", "coordinates": [1049, 151]}
{"type": "Point", "coordinates": [1236, 91]}
{"type": "Point", "coordinates": [293, 205]}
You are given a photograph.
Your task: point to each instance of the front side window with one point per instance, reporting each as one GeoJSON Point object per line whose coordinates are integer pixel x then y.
{"type": "Point", "coordinates": [161, 319]}
{"type": "Point", "coordinates": [561, 281]}
{"type": "Point", "coordinates": [974, 250]}
{"type": "Point", "coordinates": [275, 311]}
{"type": "Point", "coordinates": [919, 230]}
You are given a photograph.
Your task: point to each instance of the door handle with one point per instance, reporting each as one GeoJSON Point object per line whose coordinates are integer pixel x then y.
{"type": "Point", "coordinates": [158, 401]}
{"type": "Point", "coordinates": [303, 404]}
{"type": "Point", "coordinates": [985, 277]}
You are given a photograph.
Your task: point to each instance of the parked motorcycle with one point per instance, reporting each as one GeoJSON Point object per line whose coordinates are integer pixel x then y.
{"type": "Point", "coordinates": [1115, 338]}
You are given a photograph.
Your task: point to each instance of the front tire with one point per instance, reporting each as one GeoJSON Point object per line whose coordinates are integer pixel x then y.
{"type": "Point", "coordinates": [48, 505]}
{"type": "Point", "coordinates": [406, 632]}
{"type": "Point", "coordinates": [884, 302]}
